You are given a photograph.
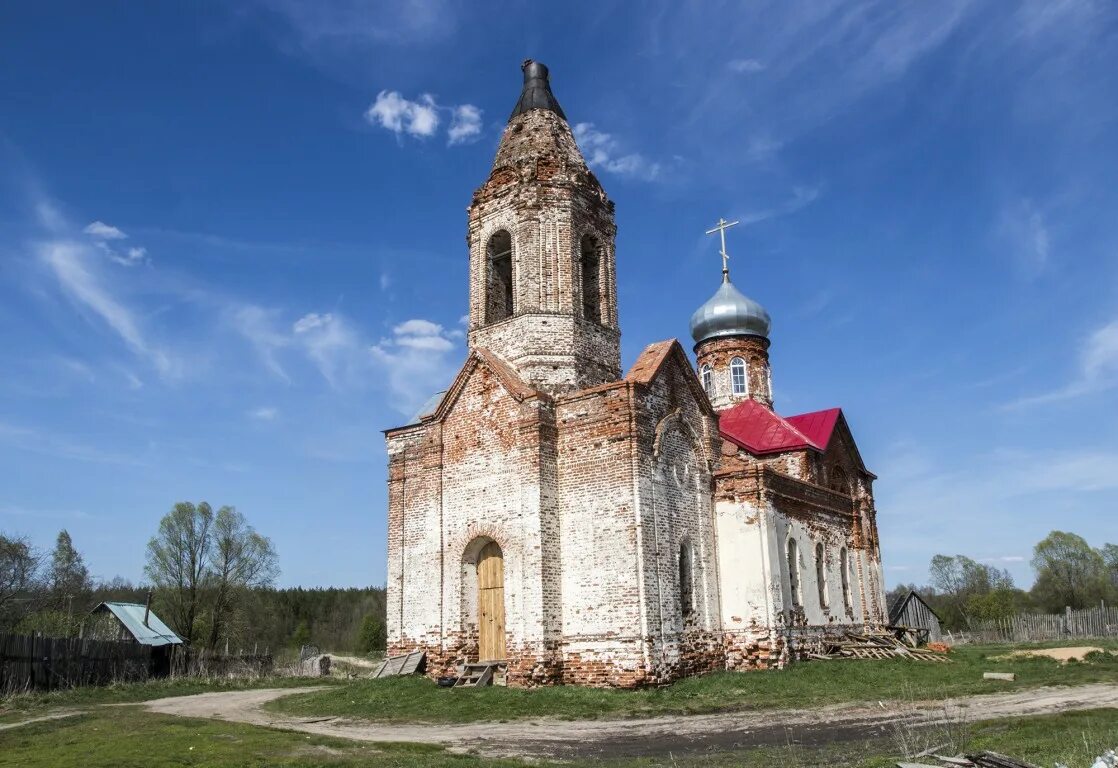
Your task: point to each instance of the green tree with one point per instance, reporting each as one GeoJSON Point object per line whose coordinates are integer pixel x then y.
{"type": "Point", "coordinates": [20, 580]}
{"type": "Point", "coordinates": [302, 635]}
{"type": "Point", "coordinates": [996, 604]}
{"type": "Point", "coordinates": [1110, 559]}
{"type": "Point", "coordinates": [68, 578]}
{"type": "Point", "coordinates": [177, 558]}
{"type": "Point", "coordinates": [1069, 572]}
{"type": "Point", "coordinates": [373, 636]}
{"type": "Point", "coordinates": [241, 559]}
{"type": "Point", "coordinates": [963, 584]}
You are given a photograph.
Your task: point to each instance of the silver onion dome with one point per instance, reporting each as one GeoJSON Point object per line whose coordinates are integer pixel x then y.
{"type": "Point", "coordinates": [729, 313]}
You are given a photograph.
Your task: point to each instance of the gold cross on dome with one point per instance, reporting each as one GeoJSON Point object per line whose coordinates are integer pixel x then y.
{"type": "Point", "coordinates": [721, 228]}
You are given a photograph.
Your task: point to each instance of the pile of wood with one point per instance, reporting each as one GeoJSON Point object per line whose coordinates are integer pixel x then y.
{"type": "Point", "coordinates": [882, 645]}
{"type": "Point", "coordinates": [978, 760]}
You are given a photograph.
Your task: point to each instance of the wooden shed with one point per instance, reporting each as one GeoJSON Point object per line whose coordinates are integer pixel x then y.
{"type": "Point", "coordinates": [138, 623]}
{"type": "Point", "coordinates": [912, 613]}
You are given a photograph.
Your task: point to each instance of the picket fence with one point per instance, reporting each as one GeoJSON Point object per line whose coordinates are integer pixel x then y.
{"type": "Point", "coordinates": [1098, 622]}
{"type": "Point", "coordinates": [33, 662]}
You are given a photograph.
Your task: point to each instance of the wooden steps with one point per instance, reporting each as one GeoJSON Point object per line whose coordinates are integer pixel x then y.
{"type": "Point", "coordinates": [481, 674]}
{"type": "Point", "coordinates": [476, 675]}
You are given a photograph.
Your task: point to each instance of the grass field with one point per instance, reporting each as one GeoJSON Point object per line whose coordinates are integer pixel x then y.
{"type": "Point", "coordinates": [129, 738]}
{"type": "Point", "coordinates": [805, 684]}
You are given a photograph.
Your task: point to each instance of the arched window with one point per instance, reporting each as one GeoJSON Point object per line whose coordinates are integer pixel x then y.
{"type": "Point", "coordinates": [839, 481]}
{"type": "Point", "coordinates": [844, 573]}
{"type": "Point", "coordinates": [590, 266]}
{"type": "Point", "coordinates": [707, 375]}
{"type": "Point", "coordinates": [498, 262]}
{"type": "Point", "coordinates": [737, 377]}
{"type": "Point", "coordinates": [821, 575]}
{"type": "Point", "coordinates": [794, 573]}
{"type": "Point", "coordinates": [686, 589]}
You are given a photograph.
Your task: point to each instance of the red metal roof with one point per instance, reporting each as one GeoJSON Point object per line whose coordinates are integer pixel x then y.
{"type": "Point", "coordinates": [759, 430]}
{"type": "Point", "coordinates": [816, 426]}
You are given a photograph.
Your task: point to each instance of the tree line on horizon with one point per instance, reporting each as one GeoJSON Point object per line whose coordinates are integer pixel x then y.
{"type": "Point", "coordinates": [1070, 573]}
{"type": "Point", "coordinates": [211, 576]}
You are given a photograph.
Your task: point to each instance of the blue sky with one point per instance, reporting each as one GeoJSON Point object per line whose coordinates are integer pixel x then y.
{"type": "Point", "coordinates": [232, 246]}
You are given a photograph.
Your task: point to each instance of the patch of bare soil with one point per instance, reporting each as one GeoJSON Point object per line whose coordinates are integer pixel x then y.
{"type": "Point", "coordinates": [1062, 655]}
{"type": "Point", "coordinates": [651, 736]}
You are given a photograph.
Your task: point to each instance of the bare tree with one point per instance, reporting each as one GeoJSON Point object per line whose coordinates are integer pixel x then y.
{"type": "Point", "coordinates": [178, 557]}
{"type": "Point", "coordinates": [21, 590]}
{"type": "Point", "coordinates": [241, 559]}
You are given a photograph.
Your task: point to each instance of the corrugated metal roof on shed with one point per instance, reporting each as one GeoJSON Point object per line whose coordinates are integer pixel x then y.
{"type": "Point", "coordinates": [131, 615]}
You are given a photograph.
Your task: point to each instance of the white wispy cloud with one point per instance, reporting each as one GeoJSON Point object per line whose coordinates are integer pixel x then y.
{"type": "Point", "coordinates": [1024, 229]}
{"type": "Point", "coordinates": [1097, 369]}
{"type": "Point", "coordinates": [1001, 497]}
{"type": "Point", "coordinates": [264, 413]}
{"type": "Point", "coordinates": [71, 264]}
{"type": "Point", "coordinates": [344, 24]}
{"type": "Point", "coordinates": [465, 124]}
{"type": "Point", "coordinates": [412, 359]}
{"type": "Point", "coordinates": [422, 117]}
{"type": "Point", "coordinates": [48, 443]}
{"type": "Point", "coordinates": [329, 342]}
{"type": "Point", "coordinates": [103, 231]}
{"type": "Point", "coordinates": [801, 197]}
{"type": "Point", "coordinates": [745, 65]}
{"type": "Point", "coordinates": [602, 150]}
{"type": "Point", "coordinates": [259, 326]}
{"type": "Point", "coordinates": [416, 359]}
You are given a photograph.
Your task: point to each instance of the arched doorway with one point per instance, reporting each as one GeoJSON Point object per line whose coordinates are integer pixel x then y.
{"type": "Point", "coordinates": [491, 603]}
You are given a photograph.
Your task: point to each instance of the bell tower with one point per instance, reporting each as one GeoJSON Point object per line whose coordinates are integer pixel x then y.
{"type": "Point", "coordinates": [543, 288]}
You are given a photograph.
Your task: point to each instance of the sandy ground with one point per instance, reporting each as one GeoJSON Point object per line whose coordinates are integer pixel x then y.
{"type": "Point", "coordinates": [650, 736]}
{"type": "Point", "coordinates": [1061, 654]}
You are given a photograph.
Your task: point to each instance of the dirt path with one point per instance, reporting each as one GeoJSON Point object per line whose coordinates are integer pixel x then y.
{"type": "Point", "coordinates": [58, 715]}
{"type": "Point", "coordinates": [650, 736]}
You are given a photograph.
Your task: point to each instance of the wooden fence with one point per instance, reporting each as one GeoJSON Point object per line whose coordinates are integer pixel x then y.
{"type": "Point", "coordinates": [31, 662]}
{"type": "Point", "coordinates": [1098, 622]}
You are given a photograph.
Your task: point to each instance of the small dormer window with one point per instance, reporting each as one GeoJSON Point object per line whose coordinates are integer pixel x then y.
{"type": "Point", "coordinates": [737, 377]}
{"type": "Point", "coordinates": [708, 379]}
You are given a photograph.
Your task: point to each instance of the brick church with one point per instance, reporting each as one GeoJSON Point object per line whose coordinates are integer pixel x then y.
{"type": "Point", "coordinates": [579, 525]}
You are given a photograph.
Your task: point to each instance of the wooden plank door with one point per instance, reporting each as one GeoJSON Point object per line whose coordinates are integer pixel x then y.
{"type": "Point", "coordinates": [491, 603]}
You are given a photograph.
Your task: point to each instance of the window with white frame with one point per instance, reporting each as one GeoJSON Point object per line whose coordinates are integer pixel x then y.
{"type": "Point", "coordinates": [737, 377]}
{"type": "Point", "coordinates": [708, 379]}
